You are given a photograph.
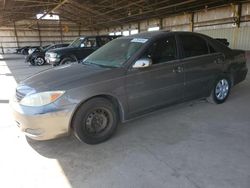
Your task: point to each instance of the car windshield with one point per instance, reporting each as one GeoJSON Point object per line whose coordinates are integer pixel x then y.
{"type": "Point", "coordinates": [76, 42]}
{"type": "Point", "coordinates": [46, 48]}
{"type": "Point", "coordinates": [115, 53]}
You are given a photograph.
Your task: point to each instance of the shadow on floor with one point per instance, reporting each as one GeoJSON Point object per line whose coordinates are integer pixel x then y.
{"type": "Point", "coordinates": [154, 149]}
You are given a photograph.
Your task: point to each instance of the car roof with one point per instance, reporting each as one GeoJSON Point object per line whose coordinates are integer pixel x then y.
{"type": "Point", "coordinates": [83, 36]}
{"type": "Point", "coordinates": [157, 34]}
{"type": "Point", "coordinates": [148, 34]}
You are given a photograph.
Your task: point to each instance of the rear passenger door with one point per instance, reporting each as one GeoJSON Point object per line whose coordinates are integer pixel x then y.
{"type": "Point", "coordinates": [201, 65]}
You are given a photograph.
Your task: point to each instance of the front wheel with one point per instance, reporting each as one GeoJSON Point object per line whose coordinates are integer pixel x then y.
{"type": "Point", "coordinates": [68, 60]}
{"type": "Point", "coordinates": [95, 121]}
{"type": "Point", "coordinates": [39, 61]}
{"type": "Point", "coordinates": [220, 90]}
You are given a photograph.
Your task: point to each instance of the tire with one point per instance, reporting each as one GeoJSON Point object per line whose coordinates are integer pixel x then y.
{"type": "Point", "coordinates": [25, 51]}
{"type": "Point", "coordinates": [220, 91]}
{"type": "Point", "coordinates": [39, 61]}
{"type": "Point", "coordinates": [67, 60]}
{"type": "Point", "coordinates": [95, 121]}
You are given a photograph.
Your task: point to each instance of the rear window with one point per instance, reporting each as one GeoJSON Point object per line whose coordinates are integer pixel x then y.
{"type": "Point", "coordinates": [193, 45]}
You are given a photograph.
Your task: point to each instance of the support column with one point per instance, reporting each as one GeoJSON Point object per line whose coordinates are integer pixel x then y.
{"type": "Point", "coordinates": [2, 48]}
{"type": "Point", "coordinates": [161, 25]}
{"type": "Point", "coordinates": [39, 34]}
{"type": "Point", "coordinates": [192, 22]}
{"type": "Point", "coordinates": [61, 34]}
{"type": "Point", "coordinates": [238, 15]}
{"type": "Point", "coordinates": [17, 42]}
{"type": "Point", "coordinates": [79, 30]}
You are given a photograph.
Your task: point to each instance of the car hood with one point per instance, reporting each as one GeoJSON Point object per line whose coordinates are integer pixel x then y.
{"type": "Point", "coordinates": [68, 77]}
{"type": "Point", "coordinates": [63, 50]}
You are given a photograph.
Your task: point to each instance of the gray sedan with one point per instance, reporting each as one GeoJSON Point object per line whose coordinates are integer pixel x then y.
{"type": "Point", "coordinates": [127, 77]}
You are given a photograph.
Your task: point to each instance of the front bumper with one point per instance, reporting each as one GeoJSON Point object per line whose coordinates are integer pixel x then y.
{"type": "Point", "coordinates": [28, 59]}
{"type": "Point", "coordinates": [52, 61]}
{"type": "Point", "coordinates": [38, 124]}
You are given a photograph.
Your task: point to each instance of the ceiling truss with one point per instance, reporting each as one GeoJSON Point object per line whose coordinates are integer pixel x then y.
{"type": "Point", "coordinates": [97, 14]}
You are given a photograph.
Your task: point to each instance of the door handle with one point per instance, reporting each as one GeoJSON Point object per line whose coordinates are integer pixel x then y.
{"type": "Point", "coordinates": [178, 69]}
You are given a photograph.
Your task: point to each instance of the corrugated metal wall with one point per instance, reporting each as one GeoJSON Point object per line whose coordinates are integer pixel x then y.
{"type": "Point", "coordinates": [238, 38]}
{"type": "Point", "coordinates": [218, 23]}
{"type": "Point", "coordinates": [49, 32]}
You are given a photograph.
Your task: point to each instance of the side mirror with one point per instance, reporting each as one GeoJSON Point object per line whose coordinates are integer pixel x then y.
{"type": "Point", "coordinates": [82, 45]}
{"type": "Point", "coordinates": [142, 63]}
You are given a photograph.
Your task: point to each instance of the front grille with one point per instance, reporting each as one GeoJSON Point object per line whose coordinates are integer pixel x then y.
{"type": "Point", "coordinates": [19, 96]}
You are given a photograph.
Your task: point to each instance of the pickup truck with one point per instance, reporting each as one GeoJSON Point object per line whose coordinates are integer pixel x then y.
{"type": "Point", "coordinates": [80, 48]}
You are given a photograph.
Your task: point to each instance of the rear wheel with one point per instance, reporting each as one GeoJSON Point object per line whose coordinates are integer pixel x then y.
{"type": "Point", "coordinates": [220, 90]}
{"type": "Point", "coordinates": [95, 121]}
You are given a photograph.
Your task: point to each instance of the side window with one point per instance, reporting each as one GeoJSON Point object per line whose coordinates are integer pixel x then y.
{"type": "Point", "coordinates": [211, 49]}
{"type": "Point", "coordinates": [193, 45]}
{"type": "Point", "coordinates": [103, 40]}
{"type": "Point", "coordinates": [162, 50]}
{"type": "Point", "coordinates": [89, 42]}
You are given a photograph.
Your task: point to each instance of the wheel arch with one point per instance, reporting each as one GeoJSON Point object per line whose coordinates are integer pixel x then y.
{"type": "Point", "coordinates": [110, 98]}
{"type": "Point", "coordinates": [72, 56]}
{"type": "Point", "coordinates": [230, 74]}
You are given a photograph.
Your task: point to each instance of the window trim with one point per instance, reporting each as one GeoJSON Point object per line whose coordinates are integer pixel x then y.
{"type": "Point", "coordinates": [200, 56]}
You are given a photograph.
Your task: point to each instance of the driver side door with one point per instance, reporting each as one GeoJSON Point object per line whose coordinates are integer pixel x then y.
{"type": "Point", "coordinates": [87, 46]}
{"type": "Point", "coordinates": [159, 84]}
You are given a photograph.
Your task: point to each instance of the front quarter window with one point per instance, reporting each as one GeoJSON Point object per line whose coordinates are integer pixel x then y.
{"type": "Point", "coordinates": [116, 52]}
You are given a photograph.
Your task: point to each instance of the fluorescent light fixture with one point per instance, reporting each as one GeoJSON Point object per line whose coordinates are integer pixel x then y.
{"type": "Point", "coordinates": [134, 31]}
{"type": "Point", "coordinates": [48, 16]}
{"type": "Point", "coordinates": [153, 28]}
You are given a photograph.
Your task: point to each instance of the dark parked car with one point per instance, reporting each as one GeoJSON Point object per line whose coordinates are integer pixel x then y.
{"type": "Point", "coordinates": [25, 50]}
{"type": "Point", "coordinates": [19, 50]}
{"type": "Point", "coordinates": [37, 57]}
{"type": "Point", "coordinates": [79, 49]}
{"type": "Point", "coordinates": [127, 77]}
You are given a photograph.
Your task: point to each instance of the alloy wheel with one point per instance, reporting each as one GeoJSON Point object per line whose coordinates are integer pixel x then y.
{"type": "Point", "coordinates": [222, 89]}
{"type": "Point", "coordinates": [39, 61]}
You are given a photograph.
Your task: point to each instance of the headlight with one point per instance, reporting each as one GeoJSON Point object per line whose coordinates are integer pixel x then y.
{"type": "Point", "coordinates": [30, 51]}
{"type": "Point", "coordinates": [40, 99]}
{"type": "Point", "coordinates": [53, 55]}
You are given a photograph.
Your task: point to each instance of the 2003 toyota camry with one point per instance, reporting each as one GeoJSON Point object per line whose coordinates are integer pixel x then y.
{"type": "Point", "coordinates": [127, 77]}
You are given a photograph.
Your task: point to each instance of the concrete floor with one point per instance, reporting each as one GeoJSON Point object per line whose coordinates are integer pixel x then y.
{"type": "Point", "coordinates": [191, 145]}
